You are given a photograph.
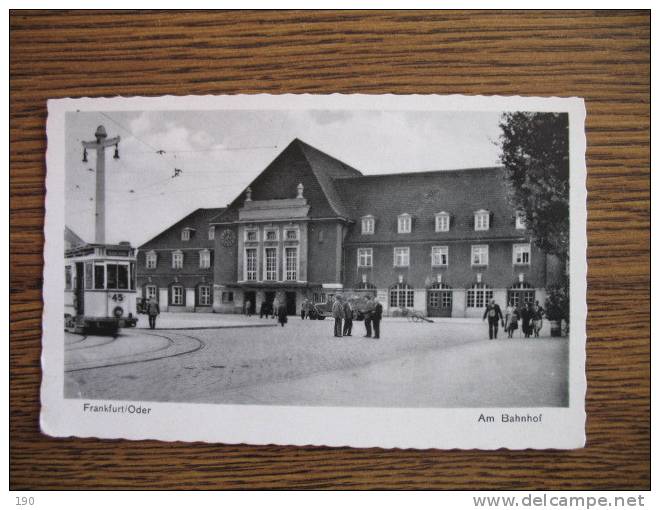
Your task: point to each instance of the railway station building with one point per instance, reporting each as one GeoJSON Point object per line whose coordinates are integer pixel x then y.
{"type": "Point", "coordinates": [310, 226]}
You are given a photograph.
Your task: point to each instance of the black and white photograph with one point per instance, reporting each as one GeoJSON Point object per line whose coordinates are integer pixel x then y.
{"type": "Point", "coordinates": [344, 270]}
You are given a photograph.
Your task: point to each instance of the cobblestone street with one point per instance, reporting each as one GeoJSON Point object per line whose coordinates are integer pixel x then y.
{"type": "Point", "coordinates": [449, 363]}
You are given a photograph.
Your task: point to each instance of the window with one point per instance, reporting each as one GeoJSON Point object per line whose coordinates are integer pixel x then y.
{"type": "Point", "coordinates": [291, 263]}
{"type": "Point", "coordinates": [68, 278]}
{"type": "Point", "coordinates": [404, 224]}
{"type": "Point", "coordinates": [520, 294]}
{"type": "Point", "coordinates": [151, 292]}
{"type": "Point", "coordinates": [402, 296]}
{"type": "Point", "coordinates": [521, 254]}
{"type": "Point", "coordinates": [151, 260]}
{"type": "Point", "coordinates": [520, 221]}
{"type": "Point", "coordinates": [132, 275]}
{"type": "Point", "coordinates": [368, 225]}
{"type": "Point", "coordinates": [227, 297]}
{"type": "Point", "coordinates": [251, 264]}
{"type": "Point", "coordinates": [185, 234]}
{"type": "Point", "coordinates": [177, 295]}
{"type": "Point", "coordinates": [117, 276]}
{"type": "Point", "coordinates": [365, 257]}
{"type": "Point", "coordinates": [479, 255]}
{"type": "Point", "coordinates": [270, 235]}
{"type": "Point", "coordinates": [211, 233]}
{"type": "Point", "coordinates": [319, 297]}
{"type": "Point", "coordinates": [251, 235]}
{"type": "Point", "coordinates": [439, 255]}
{"type": "Point", "coordinates": [177, 259]}
{"type": "Point", "coordinates": [442, 222]}
{"type": "Point", "coordinates": [479, 295]}
{"type": "Point", "coordinates": [401, 257]}
{"type": "Point", "coordinates": [270, 261]}
{"type": "Point", "coordinates": [89, 275]}
{"type": "Point", "coordinates": [291, 234]}
{"type": "Point", "coordinates": [99, 276]}
{"type": "Point", "coordinates": [481, 220]}
{"type": "Point", "coordinates": [204, 295]}
{"type": "Point", "coordinates": [204, 259]}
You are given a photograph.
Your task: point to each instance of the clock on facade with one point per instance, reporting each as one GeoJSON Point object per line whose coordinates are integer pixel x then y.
{"type": "Point", "coordinates": [227, 237]}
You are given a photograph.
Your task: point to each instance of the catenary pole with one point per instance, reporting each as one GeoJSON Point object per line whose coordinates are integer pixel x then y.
{"type": "Point", "coordinates": [102, 141]}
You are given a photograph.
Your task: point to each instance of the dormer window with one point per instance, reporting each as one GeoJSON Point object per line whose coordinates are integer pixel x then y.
{"type": "Point", "coordinates": [404, 224]}
{"type": "Point", "coordinates": [520, 221]}
{"type": "Point", "coordinates": [442, 222]}
{"type": "Point", "coordinates": [187, 233]}
{"type": "Point", "coordinates": [368, 224]}
{"type": "Point", "coordinates": [481, 220]}
{"type": "Point", "coordinates": [211, 233]}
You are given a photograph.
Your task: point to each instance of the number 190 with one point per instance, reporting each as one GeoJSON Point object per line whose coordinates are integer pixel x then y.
{"type": "Point", "coordinates": [24, 500]}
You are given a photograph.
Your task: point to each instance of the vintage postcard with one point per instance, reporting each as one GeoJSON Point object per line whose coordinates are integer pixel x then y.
{"type": "Point", "coordinates": [371, 271]}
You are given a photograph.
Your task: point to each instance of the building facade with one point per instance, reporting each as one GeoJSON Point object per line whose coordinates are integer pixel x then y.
{"type": "Point", "coordinates": [310, 226]}
{"type": "Point", "coordinates": [176, 266]}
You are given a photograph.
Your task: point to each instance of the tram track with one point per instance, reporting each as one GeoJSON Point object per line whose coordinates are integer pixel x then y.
{"type": "Point", "coordinates": [199, 344]}
{"type": "Point", "coordinates": [112, 339]}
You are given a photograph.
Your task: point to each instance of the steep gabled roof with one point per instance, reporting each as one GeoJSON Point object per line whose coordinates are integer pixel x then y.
{"type": "Point", "coordinates": [321, 170]}
{"type": "Point", "coordinates": [422, 195]}
{"type": "Point", "coordinates": [197, 219]}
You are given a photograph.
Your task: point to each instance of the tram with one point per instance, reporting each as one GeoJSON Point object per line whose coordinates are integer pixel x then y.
{"type": "Point", "coordinates": [99, 288]}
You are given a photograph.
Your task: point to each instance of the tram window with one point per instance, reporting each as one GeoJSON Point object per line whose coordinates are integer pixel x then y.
{"type": "Point", "coordinates": [112, 276]}
{"type": "Point", "coordinates": [89, 275]}
{"type": "Point", "coordinates": [99, 276]}
{"type": "Point", "coordinates": [132, 275]}
{"type": "Point", "coordinates": [122, 276]}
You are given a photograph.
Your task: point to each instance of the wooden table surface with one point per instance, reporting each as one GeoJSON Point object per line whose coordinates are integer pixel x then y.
{"type": "Point", "coordinates": [601, 56]}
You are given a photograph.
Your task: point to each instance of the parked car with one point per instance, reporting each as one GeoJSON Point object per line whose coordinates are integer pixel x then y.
{"type": "Point", "coordinates": [320, 311]}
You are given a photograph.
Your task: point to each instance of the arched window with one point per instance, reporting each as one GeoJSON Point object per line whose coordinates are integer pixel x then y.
{"type": "Point", "coordinates": [479, 295]}
{"type": "Point", "coordinates": [520, 293]}
{"type": "Point", "coordinates": [402, 296]}
{"type": "Point", "coordinates": [365, 286]}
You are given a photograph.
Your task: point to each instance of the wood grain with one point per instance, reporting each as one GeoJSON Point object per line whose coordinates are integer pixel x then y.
{"type": "Point", "coordinates": [601, 56]}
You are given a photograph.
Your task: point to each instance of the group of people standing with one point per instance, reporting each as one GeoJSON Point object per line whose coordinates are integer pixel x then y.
{"type": "Point", "coordinates": [342, 313]}
{"type": "Point", "coordinates": [529, 315]}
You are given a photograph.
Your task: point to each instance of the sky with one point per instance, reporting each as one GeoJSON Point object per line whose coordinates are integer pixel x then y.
{"type": "Point", "coordinates": [220, 152]}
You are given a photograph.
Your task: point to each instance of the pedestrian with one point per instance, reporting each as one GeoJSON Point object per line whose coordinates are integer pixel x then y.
{"type": "Point", "coordinates": [153, 311]}
{"type": "Point", "coordinates": [368, 312]}
{"type": "Point", "coordinates": [508, 313]}
{"type": "Point", "coordinates": [348, 318]}
{"type": "Point", "coordinates": [248, 308]}
{"type": "Point", "coordinates": [274, 307]}
{"type": "Point", "coordinates": [338, 314]}
{"type": "Point", "coordinates": [263, 309]}
{"type": "Point", "coordinates": [537, 317]}
{"type": "Point", "coordinates": [376, 316]}
{"type": "Point", "coordinates": [526, 318]}
{"type": "Point", "coordinates": [281, 314]}
{"type": "Point", "coordinates": [512, 325]}
{"type": "Point", "coordinates": [494, 314]}
{"type": "Point", "coordinates": [304, 309]}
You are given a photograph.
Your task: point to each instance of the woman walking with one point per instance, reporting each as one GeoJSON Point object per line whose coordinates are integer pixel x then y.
{"type": "Point", "coordinates": [281, 314]}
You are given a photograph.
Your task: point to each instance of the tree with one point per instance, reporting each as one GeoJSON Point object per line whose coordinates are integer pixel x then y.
{"type": "Point", "coordinates": [534, 152]}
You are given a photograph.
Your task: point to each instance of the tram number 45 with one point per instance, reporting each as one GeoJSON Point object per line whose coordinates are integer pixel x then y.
{"type": "Point", "coordinates": [117, 297]}
{"type": "Point", "coordinates": [24, 501]}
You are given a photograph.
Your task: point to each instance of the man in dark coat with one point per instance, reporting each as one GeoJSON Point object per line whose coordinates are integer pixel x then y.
{"type": "Point", "coordinates": [368, 313]}
{"type": "Point", "coordinates": [153, 310]}
{"type": "Point", "coordinates": [376, 316]}
{"type": "Point", "coordinates": [281, 313]}
{"type": "Point", "coordinates": [526, 319]}
{"type": "Point", "coordinates": [348, 318]}
{"type": "Point", "coordinates": [338, 315]}
{"type": "Point", "coordinates": [494, 314]}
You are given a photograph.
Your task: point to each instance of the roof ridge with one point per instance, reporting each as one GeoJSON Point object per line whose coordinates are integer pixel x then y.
{"type": "Point", "coordinates": [424, 172]}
